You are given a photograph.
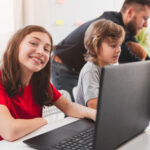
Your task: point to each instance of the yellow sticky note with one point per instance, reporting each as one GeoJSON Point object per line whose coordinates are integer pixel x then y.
{"type": "Point", "coordinates": [59, 22]}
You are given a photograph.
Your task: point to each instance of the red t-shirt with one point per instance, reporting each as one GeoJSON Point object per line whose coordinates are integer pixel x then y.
{"type": "Point", "coordinates": [24, 106]}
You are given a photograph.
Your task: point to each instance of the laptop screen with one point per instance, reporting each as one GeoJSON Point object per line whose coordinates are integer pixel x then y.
{"type": "Point", "coordinates": [124, 104]}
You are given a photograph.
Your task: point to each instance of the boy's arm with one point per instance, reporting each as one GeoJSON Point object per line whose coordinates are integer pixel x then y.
{"type": "Point", "coordinates": [74, 109]}
{"type": "Point", "coordinates": [92, 103]}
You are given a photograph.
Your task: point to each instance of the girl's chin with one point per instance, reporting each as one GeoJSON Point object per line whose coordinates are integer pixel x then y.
{"type": "Point", "coordinates": [36, 69]}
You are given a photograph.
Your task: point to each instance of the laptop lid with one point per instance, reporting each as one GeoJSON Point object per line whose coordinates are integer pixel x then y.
{"type": "Point", "coordinates": [124, 104]}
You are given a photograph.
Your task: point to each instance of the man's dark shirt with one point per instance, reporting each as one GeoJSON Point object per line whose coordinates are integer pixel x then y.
{"type": "Point", "coordinates": [71, 50]}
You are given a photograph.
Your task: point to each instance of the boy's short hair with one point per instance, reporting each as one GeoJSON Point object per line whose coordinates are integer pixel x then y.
{"type": "Point", "coordinates": [99, 31]}
{"type": "Point", "coordinates": [134, 3]}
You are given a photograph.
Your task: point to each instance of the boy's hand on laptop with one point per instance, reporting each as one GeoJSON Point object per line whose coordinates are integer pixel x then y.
{"type": "Point", "coordinates": [91, 113]}
{"type": "Point", "coordinates": [94, 114]}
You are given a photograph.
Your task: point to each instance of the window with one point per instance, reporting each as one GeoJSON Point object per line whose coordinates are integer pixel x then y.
{"type": "Point", "coordinates": [6, 22]}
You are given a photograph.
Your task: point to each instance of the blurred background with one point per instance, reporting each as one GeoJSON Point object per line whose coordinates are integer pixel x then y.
{"type": "Point", "coordinates": [59, 17]}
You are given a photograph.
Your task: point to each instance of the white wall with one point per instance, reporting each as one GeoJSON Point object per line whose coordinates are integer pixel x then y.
{"type": "Point", "coordinates": [118, 4]}
{"type": "Point", "coordinates": [6, 23]}
{"type": "Point", "coordinates": [71, 12]}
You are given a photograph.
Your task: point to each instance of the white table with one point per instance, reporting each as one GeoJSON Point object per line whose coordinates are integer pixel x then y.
{"type": "Point", "coordinates": [141, 142]}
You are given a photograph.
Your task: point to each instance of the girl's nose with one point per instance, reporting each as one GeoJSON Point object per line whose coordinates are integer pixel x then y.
{"type": "Point", "coordinates": [40, 50]}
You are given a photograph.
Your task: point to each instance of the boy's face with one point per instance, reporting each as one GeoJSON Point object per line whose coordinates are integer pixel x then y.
{"type": "Point", "coordinates": [109, 53]}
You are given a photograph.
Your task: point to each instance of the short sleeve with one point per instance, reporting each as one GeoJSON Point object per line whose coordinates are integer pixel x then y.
{"type": "Point", "coordinates": [2, 93]}
{"type": "Point", "coordinates": [2, 102]}
{"type": "Point", "coordinates": [2, 98]}
{"type": "Point", "coordinates": [90, 87]}
{"type": "Point", "coordinates": [56, 93]}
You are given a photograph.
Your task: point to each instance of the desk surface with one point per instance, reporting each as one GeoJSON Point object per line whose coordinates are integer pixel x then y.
{"type": "Point", "coordinates": [141, 142]}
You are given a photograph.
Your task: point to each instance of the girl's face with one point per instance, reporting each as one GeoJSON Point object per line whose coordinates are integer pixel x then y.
{"type": "Point", "coordinates": [34, 52]}
{"type": "Point", "coordinates": [109, 53]}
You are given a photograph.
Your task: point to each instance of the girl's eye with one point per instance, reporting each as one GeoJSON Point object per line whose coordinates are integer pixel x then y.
{"type": "Point", "coordinates": [46, 49]}
{"type": "Point", "coordinates": [33, 43]}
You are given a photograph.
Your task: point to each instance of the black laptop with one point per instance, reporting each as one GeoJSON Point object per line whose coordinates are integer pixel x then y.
{"type": "Point", "coordinates": [123, 113]}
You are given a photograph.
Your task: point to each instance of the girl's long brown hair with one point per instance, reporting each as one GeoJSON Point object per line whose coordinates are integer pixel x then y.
{"type": "Point", "coordinates": [11, 71]}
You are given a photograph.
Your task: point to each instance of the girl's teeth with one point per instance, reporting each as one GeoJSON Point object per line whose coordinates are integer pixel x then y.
{"type": "Point", "coordinates": [36, 59]}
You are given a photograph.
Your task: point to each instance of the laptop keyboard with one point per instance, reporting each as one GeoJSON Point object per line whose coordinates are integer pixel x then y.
{"type": "Point", "coordinates": [82, 141]}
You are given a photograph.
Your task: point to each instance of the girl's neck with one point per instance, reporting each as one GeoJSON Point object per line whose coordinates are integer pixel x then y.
{"type": "Point", "coordinates": [25, 78]}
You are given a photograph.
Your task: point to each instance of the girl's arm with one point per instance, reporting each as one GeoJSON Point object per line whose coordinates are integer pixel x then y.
{"type": "Point", "coordinates": [74, 109]}
{"type": "Point", "coordinates": [12, 129]}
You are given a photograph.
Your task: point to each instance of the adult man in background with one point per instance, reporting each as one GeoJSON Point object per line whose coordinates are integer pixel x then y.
{"type": "Point", "coordinates": [68, 56]}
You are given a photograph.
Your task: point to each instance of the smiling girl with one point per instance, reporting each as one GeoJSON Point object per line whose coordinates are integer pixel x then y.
{"type": "Point", "coordinates": [25, 86]}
